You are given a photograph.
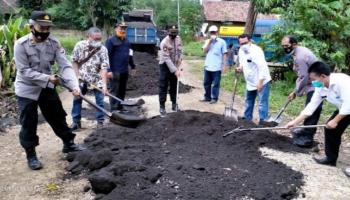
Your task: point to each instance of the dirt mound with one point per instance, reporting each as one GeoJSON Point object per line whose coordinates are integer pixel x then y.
{"type": "Point", "coordinates": [184, 156]}
{"type": "Point", "coordinates": [146, 81]}
{"type": "Point", "coordinates": [8, 111]}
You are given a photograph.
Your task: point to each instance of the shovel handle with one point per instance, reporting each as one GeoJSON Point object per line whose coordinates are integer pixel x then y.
{"type": "Point", "coordinates": [109, 114]}
{"type": "Point", "coordinates": [270, 128]}
{"type": "Point", "coordinates": [282, 110]}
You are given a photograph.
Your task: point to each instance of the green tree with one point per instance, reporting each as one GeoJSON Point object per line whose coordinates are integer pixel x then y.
{"type": "Point", "coordinates": [166, 14]}
{"type": "Point", "coordinates": [104, 13]}
{"type": "Point", "coordinates": [321, 25]}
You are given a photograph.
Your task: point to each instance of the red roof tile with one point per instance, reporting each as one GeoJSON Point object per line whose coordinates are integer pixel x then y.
{"type": "Point", "coordinates": [229, 11]}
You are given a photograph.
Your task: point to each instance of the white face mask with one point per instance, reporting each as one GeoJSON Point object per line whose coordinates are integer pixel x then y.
{"type": "Point", "coordinates": [213, 37]}
{"type": "Point", "coordinates": [96, 44]}
{"type": "Point", "coordinates": [246, 48]}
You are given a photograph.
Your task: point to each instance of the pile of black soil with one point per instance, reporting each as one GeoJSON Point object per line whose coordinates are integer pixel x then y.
{"type": "Point", "coordinates": [8, 111]}
{"type": "Point", "coordinates": [146, 81]}
{"type": "Point", "coordinates": [184, 156]}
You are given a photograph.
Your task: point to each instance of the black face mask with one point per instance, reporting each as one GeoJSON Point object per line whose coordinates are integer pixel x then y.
{"type": "Point", "coordinates": [288, 50]}
{"type": "Point", "coordinates": [172, 36]}
{"type": "Point", "coordinates": [41, 36]}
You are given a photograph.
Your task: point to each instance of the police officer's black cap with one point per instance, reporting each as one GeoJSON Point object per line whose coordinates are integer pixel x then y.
{"type": "Point", "coordinates": [173, 29]}
{"type": "Point", "coordinates": [121, 24]}
{"type": "Point", "coordinates": [42, 18]}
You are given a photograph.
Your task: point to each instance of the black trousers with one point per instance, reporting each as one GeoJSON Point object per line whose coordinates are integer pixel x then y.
{"type": "Point", "coordinates": [333, 137]}
{"type": "Point", "coordinates": [118, 89]}
{"type": "Point", "coordinates": [312, 119]}
{"type": "Point", "coordinates": [52, 110]}
{"type": "Point", "coordinates": [166, 78]}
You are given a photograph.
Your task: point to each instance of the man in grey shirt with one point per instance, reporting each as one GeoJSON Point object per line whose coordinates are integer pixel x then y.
{"type": "Point", "coordinates": [303, 58]}
{"type": "Point", "coordinates": [34, 55]}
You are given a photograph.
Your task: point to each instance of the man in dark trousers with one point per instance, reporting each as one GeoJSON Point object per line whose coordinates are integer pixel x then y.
{"type": "Point", "coordinates": [34, 55]}
{"type": "Point", "coordinates": [303, 58]}
{"type": "Point", "coordinates": [169, 64]}
{"type": "Point", "coordinates": [333, 87]}
{"type": "Point", "coordinates": [119, 58]}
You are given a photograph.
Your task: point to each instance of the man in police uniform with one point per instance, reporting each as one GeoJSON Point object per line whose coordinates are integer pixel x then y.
{"type": "Point", "coordinates": [169, 64]}
{"type": "Point", "coordinates": [34, 55]}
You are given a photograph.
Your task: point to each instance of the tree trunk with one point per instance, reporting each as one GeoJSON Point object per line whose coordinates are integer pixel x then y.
{"type": "Point", "coordinates": [251, 18]}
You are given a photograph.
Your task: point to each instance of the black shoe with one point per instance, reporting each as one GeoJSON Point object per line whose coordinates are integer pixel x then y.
{"type": "Point", "coordinates": [325, 161]}
{"type": "Point", "coordinates": [34, 163]}
{"type": "Point", "coordinates": [75, 126]}
{"type": "Point", "coordinates": [213, 101]}
{"type": "Point", "coordinates": [71, 147]}
{"type": "Point", "coordinates": [32, 160]}
{"type": "Point", "coordinates": [162, 111]}
{"type": "Point", "coordinates": [347, 171]}
{"type": "Point", "coordinates": [174, 107]}
{"type": "Point", "coordinates": [204, 100]}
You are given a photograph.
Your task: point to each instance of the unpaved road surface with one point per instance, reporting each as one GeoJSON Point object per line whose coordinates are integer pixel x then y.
{"type": "Point", "coordinates": [18, 182]}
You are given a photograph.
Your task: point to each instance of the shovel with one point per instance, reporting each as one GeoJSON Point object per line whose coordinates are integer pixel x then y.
{"type": "Point", "coordinates": [115, 117]}
{"type": "Point", "coordinates": [139, 102]}
{"type": "Point", "coordinates": [229, 111]}
{"type": "Point", "coordinates": [269, 128]}
{"type": "Point", "coordinates": [275, 120]}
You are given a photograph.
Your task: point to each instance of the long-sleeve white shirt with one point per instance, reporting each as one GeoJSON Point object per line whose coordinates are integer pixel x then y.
{"type": "Point", "coordinates": [338, 94]}
{"type": "Point", "coordinates": [254, 66]}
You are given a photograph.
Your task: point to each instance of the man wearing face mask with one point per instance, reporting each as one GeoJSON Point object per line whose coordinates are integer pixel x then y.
{"type": "Point", "coordinates": [169, 65]}
{"type": "Point", "coordinates": [257, 76]}
{"type": "Point", "coordinates": [34, 55]}
{"type": "Point", "coordinates": [215, 62]}
{"type": "Point", "coordinates": [118, 48]}
{"type": "Point", "coordinates": [334, 88]}
{"type": "Point", "coordinates": [90, 62]}
{"type": "Point", "coordinates": [302, 59]}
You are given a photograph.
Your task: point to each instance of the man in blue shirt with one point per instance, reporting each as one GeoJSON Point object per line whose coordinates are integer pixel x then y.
{"type": "Point", "coordinates": [119, 58]}
{"type": "Point", "coordinates": [216, 50]}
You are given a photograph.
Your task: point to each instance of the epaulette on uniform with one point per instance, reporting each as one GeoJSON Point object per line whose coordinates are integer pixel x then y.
{"type": "Point", "coordinates": [23, 39]}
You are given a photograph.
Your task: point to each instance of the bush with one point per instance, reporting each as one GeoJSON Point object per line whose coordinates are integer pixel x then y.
{"type": "Point", "coordinates": [9, 33]}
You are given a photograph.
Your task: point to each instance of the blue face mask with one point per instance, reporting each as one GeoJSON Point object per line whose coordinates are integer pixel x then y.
{"type": "Point", "coordinates": [317, 84]}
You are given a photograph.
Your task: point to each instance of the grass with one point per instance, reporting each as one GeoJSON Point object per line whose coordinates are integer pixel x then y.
{"type": "Point", "coordinates": [194, 49]}
{"type": "Point", "coordinates": [68, 43]}
{"type": "Point", "coordinates": [278, 93]}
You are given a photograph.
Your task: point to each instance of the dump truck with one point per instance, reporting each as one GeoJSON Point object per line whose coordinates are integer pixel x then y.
{"type": "Point", "coordinates": [141, 31]}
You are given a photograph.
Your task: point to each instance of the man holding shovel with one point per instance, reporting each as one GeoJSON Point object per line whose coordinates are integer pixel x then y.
{"type": "Point", "coordinates": [169, 65]}
{"type": "Point", "coordinates": [302, 58]}
{"type": "Point", "coordinates": [257, 76]}
{"type": "Point", "coordinates": [118, 48]}
{"type": "Point", "coordinates": [334, 88]}
{"type": "Point", "coordinates": [34, 55]}
{"type": "Point", "coordinates": [90, 63]}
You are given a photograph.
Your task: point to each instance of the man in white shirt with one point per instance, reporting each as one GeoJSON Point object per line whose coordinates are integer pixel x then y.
{"type": "Point", "coordinates": [257, 76]}
{"type": "Point", "coordinates": [334, 88]}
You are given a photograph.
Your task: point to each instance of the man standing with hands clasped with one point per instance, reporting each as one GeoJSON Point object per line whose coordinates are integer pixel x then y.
{"type": "Point", "coordinates": [334, 88]}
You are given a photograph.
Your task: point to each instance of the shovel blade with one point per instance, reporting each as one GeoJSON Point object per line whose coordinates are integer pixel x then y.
{"type": "Point", "coordinates": [131, 121]}
{"type": "Point", "coordinates": [139, 102]}
{"type": "Point", "coordinates": [231, 113]}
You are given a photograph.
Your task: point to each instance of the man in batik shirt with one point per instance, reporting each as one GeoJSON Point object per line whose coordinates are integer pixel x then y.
{"type": "Point", "coordinates": [90, 62]}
